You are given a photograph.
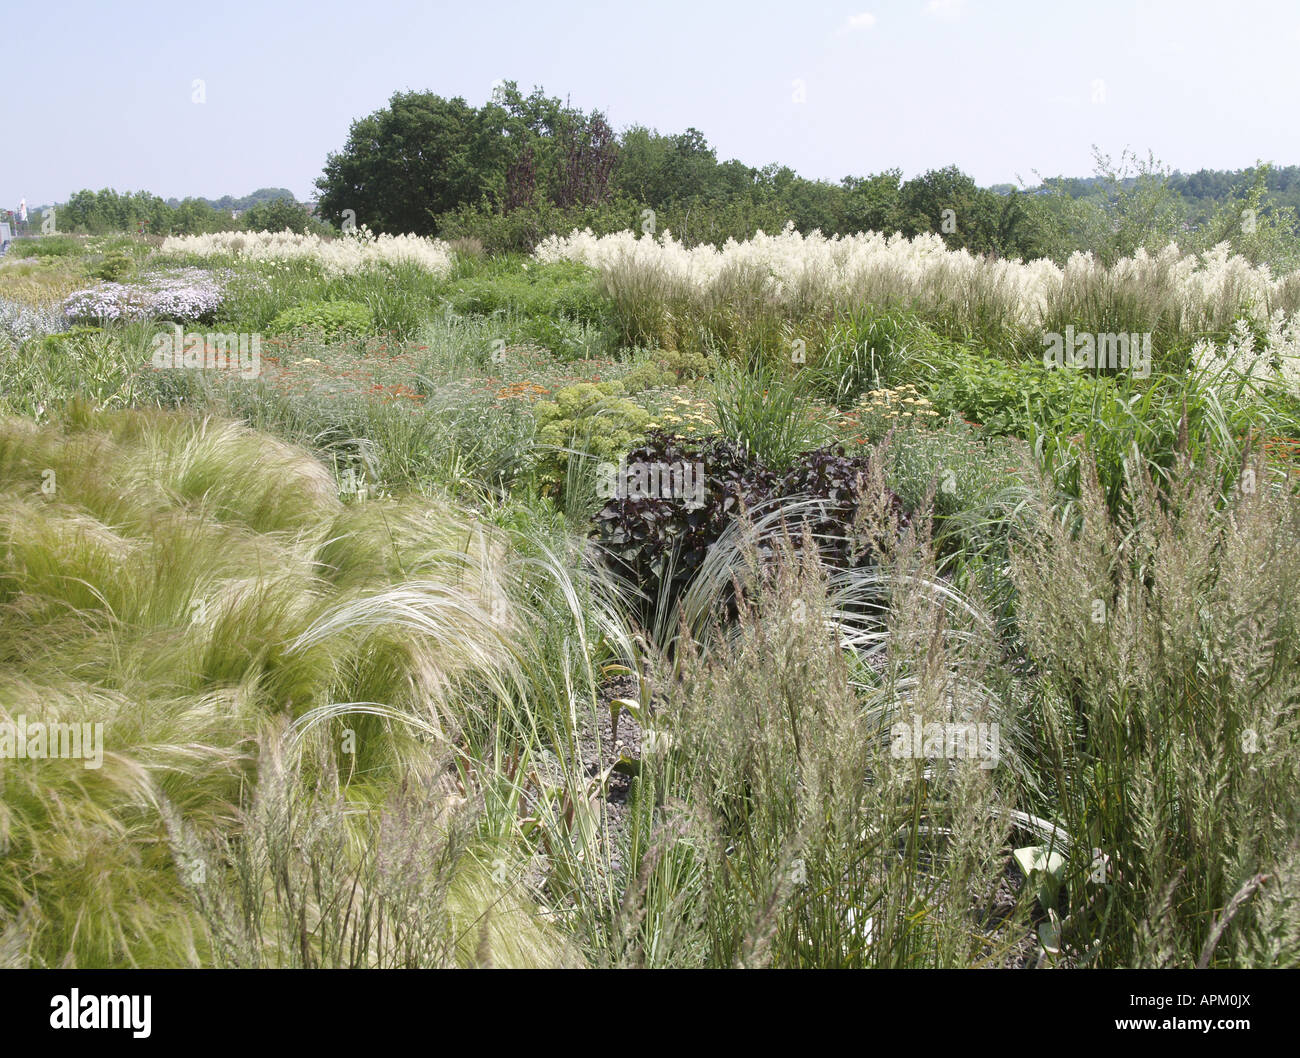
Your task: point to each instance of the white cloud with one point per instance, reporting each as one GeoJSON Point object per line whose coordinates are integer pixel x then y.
{"type": "Point", "coordinates": [862, 21]}
{"type": "Point", "coordinates": [946, 10]}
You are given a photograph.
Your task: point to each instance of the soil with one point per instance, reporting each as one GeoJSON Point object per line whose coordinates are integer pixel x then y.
{"type": "Point", "coordinates": [601, 746]}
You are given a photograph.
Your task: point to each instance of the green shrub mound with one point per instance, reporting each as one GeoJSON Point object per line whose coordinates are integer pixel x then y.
{"type": "Point", "coordinates": [331, 319]}
{"type": "Point", "coordinates": [587, 418]}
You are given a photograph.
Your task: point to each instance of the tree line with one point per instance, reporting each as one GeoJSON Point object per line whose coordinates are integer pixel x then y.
{"type": "Point", "coordinates": [102, 212]}
{"type": "Point", "coordinates": [520, 167]}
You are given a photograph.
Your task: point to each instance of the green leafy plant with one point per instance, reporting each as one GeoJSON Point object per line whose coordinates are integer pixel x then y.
{"type": "Point", "coordinates": [333, 319]}
{"type": "Point", "coordinates": [1008, 397]}
{"type": "Point", "coordinates": [114, 267]}
{"type": "Point", "coordinates": [589, 421]}
{"type": "Point", "coordinates": [1043, 867]}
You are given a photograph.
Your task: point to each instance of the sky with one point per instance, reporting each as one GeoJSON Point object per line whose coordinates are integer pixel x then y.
{"type": "Point", "coordinates": [228, 97]}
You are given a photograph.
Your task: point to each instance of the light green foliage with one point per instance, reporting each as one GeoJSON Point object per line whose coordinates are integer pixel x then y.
{"type": "Point", "coordinates": [115, 266]}
{"type": "Point", "coordinates": [646, 375]}
{"type": "Point", "coordinates": [195, 587]}
{"type": "Point", "coordinates": [591, 419]}
{"type": "Point", "coordinates": [333, 319]}
{"type": "Point", "coordinates": [1008, 397]}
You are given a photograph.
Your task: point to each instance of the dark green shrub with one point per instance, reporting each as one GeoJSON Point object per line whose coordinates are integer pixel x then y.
{"type": "Point", "coordinates": [114, 267]}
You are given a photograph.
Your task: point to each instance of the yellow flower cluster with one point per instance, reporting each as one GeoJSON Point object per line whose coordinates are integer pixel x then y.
{"type": "Point", "coordinates": [901, 402]}
{"type": "Point", "coordinates": [685, 415]}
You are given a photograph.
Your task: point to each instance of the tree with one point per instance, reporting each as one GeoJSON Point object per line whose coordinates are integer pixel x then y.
{"type": "Point", "coordinates": [1143, 209]}
{"type": "Point", "coordinates": [871, 203]}
{"type": "Point", "coordinates": [531, 126]}
{"type": "Point", "coordinates": [664, 171]}
{"type": "Point", "coordinates": [195, 216]}
{"type": "Point", "coordinates": [1261, 231]}
{"type": "Point", "coordinates": [589, 156]}
{"type": "Point", "coordinates": [420, 156]}
{"type": "Point", "coordinates": [105, 211]}
{"type": "Point", "coordinates": [276, 215]}
{"type": "Point", "coordinates": [947, 202]}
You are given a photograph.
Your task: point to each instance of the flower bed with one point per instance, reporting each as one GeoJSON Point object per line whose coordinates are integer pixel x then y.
{"type": "Point", "coordinates": [20, 323]}
{"type": "Point", "coordinates": [191, 294]}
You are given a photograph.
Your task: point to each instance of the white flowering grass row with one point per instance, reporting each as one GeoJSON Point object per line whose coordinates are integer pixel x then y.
{"type": "Point", "coordinates": [1242, 359]}
{"type": "Point", "coordinates": [348, 255]}
{"type": "Point", "coordinates": [812, 272]}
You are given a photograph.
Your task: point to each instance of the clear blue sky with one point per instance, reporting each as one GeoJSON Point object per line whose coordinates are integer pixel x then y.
{"type": "Point", "coordinates": [100, 95]}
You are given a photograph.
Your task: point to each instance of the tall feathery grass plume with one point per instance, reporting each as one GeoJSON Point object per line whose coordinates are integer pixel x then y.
{"type": "Point", "coordinates": [188, 586]}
